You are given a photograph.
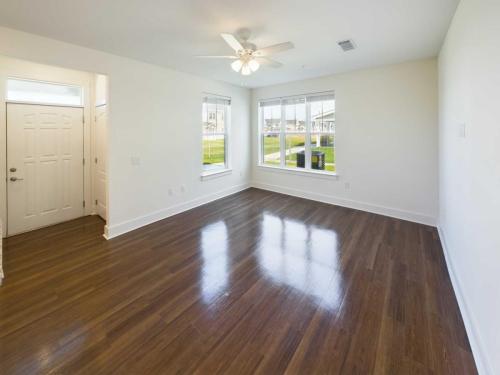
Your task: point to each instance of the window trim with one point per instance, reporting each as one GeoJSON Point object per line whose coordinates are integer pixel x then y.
{"type": "Point", "coordinates": [227, 168]}
{"type": "Point", "coordinates": [283, 133]}
{"type": "Point", "coordinates": [209, 175]}
{"type": "Point", "coordinates": [300, 171]}
{"type": "Point", "coordinates": [48, 83]}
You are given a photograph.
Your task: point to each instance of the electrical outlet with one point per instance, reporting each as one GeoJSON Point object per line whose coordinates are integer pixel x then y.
{"type": "Point", "coordinates": [183, 188]}
{"type": "Point", "coordinates": [347, 186]}
{"type": "Point", "coordinates": [170, 191]}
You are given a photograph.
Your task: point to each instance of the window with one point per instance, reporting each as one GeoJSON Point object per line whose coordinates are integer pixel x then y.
{"type": "Point", "coordinates": [298, 132]}
{"type": "Point", "coordinates": [271, 129]}
{"type": "Point", "coordinates": [295, 132]}
{"type": "Point", "coordinates": [19, 90]}
{"type": "Point", "coordinates": [215, 126]}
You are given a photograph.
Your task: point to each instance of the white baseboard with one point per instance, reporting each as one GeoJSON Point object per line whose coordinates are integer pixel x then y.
{"type": "Point", "coordinates": [129, 225]}
{"type": "Point", "coordinates": [482, 364]}
{"type": "Point", "coordinates": [386, 211]}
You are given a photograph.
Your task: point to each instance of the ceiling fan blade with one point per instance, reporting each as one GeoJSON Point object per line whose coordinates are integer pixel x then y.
{"type": "Point", "coordinates": [267, 51]}
{"type": "Point", "coordinates": [268, 62]}
{"type": "Point", "coordinates": [217, 57]}
{"type": "Point", "coordinates": [232, 41]}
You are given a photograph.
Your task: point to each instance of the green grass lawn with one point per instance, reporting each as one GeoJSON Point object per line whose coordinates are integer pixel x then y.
{"type": "Point", "coordinates": [213, 151]}
{"type": "Point", "coordinates": [272, 146]}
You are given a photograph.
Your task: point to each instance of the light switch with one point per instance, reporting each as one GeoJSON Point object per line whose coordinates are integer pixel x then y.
{"type": "Point", "coordinates": [461, 130]}
{"type": "Point", "coordinates": [135, 160]}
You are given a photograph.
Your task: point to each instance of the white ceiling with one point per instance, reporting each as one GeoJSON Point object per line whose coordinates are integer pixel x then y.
{"type": "Point", "coordinates": [172, 32]}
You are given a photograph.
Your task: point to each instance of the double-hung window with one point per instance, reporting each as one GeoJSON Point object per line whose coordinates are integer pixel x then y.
{"type": "Point", "coordinates": [215, 128]}
{"type": "Point", "coordinates": [298, 132]}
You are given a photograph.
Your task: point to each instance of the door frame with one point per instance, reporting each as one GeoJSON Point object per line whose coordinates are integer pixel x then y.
{"type": "Point", "coordinates": [13, 68]}
{"type": "Point", "coordinates": [93, 161]}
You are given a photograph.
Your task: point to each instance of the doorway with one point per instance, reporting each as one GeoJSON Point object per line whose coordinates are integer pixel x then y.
{"type": "Point", "coordinates": [44, 165]}
{"type": "Point", "coordinates": [53, 126]}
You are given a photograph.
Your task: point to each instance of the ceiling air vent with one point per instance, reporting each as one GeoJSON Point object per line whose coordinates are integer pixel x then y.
{"type": "Point", "coordinates": [346, 45]}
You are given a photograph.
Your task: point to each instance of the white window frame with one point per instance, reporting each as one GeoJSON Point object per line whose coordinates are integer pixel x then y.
{"type": "Point", "coordinates": [282, 136]}
{"type": "Point", "coordinates": [41, 102]}
{"type": "Point", "coordinates": [226, 169]}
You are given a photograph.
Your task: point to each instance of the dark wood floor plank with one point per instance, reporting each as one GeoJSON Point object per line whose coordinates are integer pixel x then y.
{"type": "Point", "coordinates": [257, 282]}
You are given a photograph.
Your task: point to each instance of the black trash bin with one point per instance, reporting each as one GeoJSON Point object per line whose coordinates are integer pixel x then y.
{"type": "Point", "coordinates": [317, 160]}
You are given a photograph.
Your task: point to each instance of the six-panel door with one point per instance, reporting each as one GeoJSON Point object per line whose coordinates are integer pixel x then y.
{"type": "Point", "coordinates": [44, 165]}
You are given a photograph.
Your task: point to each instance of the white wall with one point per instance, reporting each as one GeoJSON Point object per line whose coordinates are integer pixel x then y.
{"type": "Point", "coordinates": [386, 141]}
{"type": "Point", "coordinates": [469, 220]}
{"type": "Point", "coordinates": [155, 117]}
{"type": "Point", "coordinates": [101, 89]}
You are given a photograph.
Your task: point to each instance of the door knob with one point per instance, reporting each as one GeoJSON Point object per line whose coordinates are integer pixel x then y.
{"type": "Point", "coordinates": [14, 179]}
{"type": "Point", "coordinates": [13, 169]}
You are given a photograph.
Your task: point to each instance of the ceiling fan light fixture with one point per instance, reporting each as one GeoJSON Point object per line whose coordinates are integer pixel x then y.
{"type": "Point", "coordinates": [236, 65]}
{"type": "Point", "coordinates": [245, 70]}
{"type": "Point", "coordinates": [247, 57]}
{"type": "Point", "coordinates": [254, 65]}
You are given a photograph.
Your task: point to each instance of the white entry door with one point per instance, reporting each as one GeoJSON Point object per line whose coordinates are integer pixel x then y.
{"type": "Point", "coordinates": [44, 165]}
{"type": "Point", "coordinates": [100, 161]}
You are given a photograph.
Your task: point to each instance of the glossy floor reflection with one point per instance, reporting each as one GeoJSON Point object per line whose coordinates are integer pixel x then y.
{"type": "Point", "coordinates": [215, 268]}
{"type": "Point", "coordinates": [301, 256]}
{"type": "Point", "coordinates": [257, 282]}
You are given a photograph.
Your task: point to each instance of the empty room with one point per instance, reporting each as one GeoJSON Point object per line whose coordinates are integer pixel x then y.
{"type": "Point", "coordinates": [226, 187]}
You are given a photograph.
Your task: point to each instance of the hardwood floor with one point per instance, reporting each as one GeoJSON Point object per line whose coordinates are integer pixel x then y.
{"type": "Point", "coordinates": [257, 282]}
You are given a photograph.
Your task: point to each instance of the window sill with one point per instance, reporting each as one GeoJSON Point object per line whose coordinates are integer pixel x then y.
{"type": "Point", "coordinates": [308, 173]}
{"type": "Point", "coordinates": [209, 175]}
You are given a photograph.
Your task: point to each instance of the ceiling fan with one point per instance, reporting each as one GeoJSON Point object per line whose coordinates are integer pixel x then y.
{"type": "Point", "coordinates": [248, 58]}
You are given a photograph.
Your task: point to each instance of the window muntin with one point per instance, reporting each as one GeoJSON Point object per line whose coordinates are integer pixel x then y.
{"type": "Point", "coordinates": [26, 91]}
{"type": "Point", "coordinates": [302, 136]}
{"type": "Point", "coordinates": [215, 123]}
